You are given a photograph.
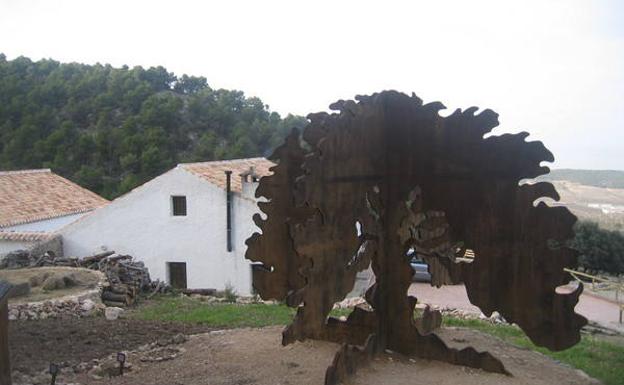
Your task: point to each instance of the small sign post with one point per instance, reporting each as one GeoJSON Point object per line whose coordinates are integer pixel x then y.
{"type": "Point", "coordinates": [54, 369]}
{"type": "Point", "coordinates": [121, 358]}
{"type": "Point", "coordinates": [5, 362]}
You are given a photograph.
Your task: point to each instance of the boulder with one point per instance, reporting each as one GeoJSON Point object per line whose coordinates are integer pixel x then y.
{"type": "Point", "coordinates": [58, 281]}
{"type": "Point", "coordinates": [112, 313]}
{"type": "Point", "coordinates": [38, 279]}
{"type": "Point", "coordinates": [19, 290]}
{"type": "Point", "coordinates": [70, 280]}
{"type": "Point", "coordinates": [13, 314]}
{"type": "Point", "coordinates": [53, 282]}
{"type": "Point", "coordinates": [88, 307]}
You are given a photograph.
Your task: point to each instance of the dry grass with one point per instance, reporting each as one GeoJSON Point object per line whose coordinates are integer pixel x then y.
{"type": "Point", "coordinates": [84, 278]}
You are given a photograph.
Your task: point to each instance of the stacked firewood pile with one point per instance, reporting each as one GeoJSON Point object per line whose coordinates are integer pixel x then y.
{"type": "Point", "coordinates": [125, 277]}
{"type": "Point", "coordinates": [50, 259]}
{"type": "Point", "coordinates": [20, 259]}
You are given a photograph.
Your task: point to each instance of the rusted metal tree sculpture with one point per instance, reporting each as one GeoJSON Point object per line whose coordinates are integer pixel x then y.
{"type": "Point", "coordinates": [385, 175]}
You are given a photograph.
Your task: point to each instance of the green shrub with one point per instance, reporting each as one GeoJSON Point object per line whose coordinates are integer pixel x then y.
{"type": "Point", "coordinates": [599, 250]}
{"type": "Point", "coordinates": [229, 294]}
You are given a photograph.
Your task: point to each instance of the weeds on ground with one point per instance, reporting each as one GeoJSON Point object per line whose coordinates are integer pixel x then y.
{"type": "Point", "coordinates": [218, 315]}
{"type": "Point", "coordinates": [229, 294]}
{"type": "Point", "coordinates": [600, 359]}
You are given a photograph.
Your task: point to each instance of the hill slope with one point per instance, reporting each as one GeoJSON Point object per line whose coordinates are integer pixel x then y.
{"type": "Point", "coordinates": [597, 178]}
{"type": "Point", "coordinates": [111, 129]}
{"type": "Point", "coordinates": [592, 195]}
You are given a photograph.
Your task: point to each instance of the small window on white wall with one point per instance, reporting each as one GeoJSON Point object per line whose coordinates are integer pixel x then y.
{"type": "Point", "coordinates": [178, 205]}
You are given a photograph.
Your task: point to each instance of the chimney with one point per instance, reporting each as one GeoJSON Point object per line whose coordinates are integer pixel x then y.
{"type": "Point", "coordinates": [249, 183]}
{"type": "Point", "coordinates": [228, 209]}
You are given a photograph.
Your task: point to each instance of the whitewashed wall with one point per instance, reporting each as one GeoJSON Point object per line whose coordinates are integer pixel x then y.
{"type": "Point", "coordinates": [8, 246]}
{"type": "Point", "coordinates": [140, 223]}
{"type": "Point", "coordinates": [47, 225]}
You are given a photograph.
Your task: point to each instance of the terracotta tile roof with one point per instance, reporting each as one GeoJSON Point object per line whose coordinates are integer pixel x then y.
{"type": "Point", "coordinates": [214, 172]}
{"type": "Point", "coordinates": [34, 195]}
{"type": "Point", "coordinates": [25, 236]}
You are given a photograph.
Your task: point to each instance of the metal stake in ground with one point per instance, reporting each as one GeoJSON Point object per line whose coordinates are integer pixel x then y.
{"type": "Point", "coordinates": [54, 369]}
{"type": "Point", "coordinates": [121, 358]}
{"type": "Point", "coordinates": [5, 363]}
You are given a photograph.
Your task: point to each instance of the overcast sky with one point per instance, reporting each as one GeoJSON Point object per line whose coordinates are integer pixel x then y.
{"type": "Point", "coordinates": [552, 68]}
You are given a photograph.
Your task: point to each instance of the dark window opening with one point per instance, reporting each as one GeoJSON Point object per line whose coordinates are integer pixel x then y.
{"type": "Point", "coordinates": [177, 275]}
{"type": "Point", "coordinates": [178, 204]}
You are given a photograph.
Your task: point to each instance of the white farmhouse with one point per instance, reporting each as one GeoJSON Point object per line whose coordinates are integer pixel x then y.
{"type": "Point", "coordinates": [185, 225]}
{"type": "Point", "coordinates": [36, 203]}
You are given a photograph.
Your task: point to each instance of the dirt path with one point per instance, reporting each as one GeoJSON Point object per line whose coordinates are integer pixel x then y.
{"type": "Point", "coordinates": [255, 356]}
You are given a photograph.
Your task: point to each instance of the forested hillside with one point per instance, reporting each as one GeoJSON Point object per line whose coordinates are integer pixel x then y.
{"type": "Point", "coordinates": [111, 129]}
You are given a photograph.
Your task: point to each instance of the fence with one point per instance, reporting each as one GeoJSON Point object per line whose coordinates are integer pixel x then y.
{"type": "Point", "coordinates": [601, 284]}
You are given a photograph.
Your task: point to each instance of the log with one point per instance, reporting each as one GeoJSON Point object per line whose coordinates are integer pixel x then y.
{"type": "Point", "coordinates": [110, 296]}
{"type": "Point", "coordinates": [119, 289]}
{"type": "Point", "coordinates": [200, 291]}
{"type": "Point", "coordinates": [40, 260]}
{"type": "Point", "coordinates": [97, 257]}
{"type": "Point", "coordinates": [118, 258]}
{"type": "Point", "coordinates": [114, 303]}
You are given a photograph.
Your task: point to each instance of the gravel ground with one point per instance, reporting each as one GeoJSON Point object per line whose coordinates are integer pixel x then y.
{"type": "Point", "coordinates": [256, 357]}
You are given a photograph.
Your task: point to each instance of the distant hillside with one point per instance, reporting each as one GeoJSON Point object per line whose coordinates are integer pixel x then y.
{"type": "Point", "coordinates": [592, 195]}
{"type": "Point", "coordinates": [596, 204]}
{"type": "Point", "coordinates": [111, 129]}
{"type": "Point", "coordinates": [596, 178]}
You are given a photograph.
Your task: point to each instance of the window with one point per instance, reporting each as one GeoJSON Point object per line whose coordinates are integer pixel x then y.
{"type": "Point", "coordinates": [178, 205]}
{"type": "Point", "coordinates": [177, 274]}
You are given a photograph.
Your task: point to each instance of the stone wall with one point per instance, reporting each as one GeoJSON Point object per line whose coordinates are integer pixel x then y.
{"type": "Point", "coordinates": [83, 304]}
{"type": "Point", "coordinates": [54, 244]}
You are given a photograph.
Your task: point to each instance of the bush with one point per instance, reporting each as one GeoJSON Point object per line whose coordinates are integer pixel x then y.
{"type": "Point", "coordinates": [229, 294]}
{"type": "Point", "coordinates": [599, 250]}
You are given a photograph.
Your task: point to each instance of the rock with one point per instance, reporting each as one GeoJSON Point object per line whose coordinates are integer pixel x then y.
{"type": "Point", "coordinates": [96, 372]}
{"type": "Point", "coordinates": [245, 300]}
{"type": "Point", "coordinates": [112, 313]}
{"type": "Point", "coordinates": [19, 289]}
{"type": "Point", "coordinates": [497, 318]}
{"type": "Point", "coordinates": [161, 354]}
{"type": "Point", "coordinates": [349, 303]}
{"type": "Point", "coordinates": [87, 307]}
{"type": "Point", "coordinates": [38, 279]}
{"type": "Point", "coordinates": [53, 282]}
{"type": "Point", "coordinates": [59, 281]}
{"type": "Point", "coordinates": [70, 280]}
{"type": "Point", "coordinates": [178, 339]}
{"type": "Point", "coordinates": [13, 314]}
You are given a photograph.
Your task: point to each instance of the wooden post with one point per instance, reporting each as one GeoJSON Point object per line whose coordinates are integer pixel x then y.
{"type": "Point", "coordinates": [5, 362]}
